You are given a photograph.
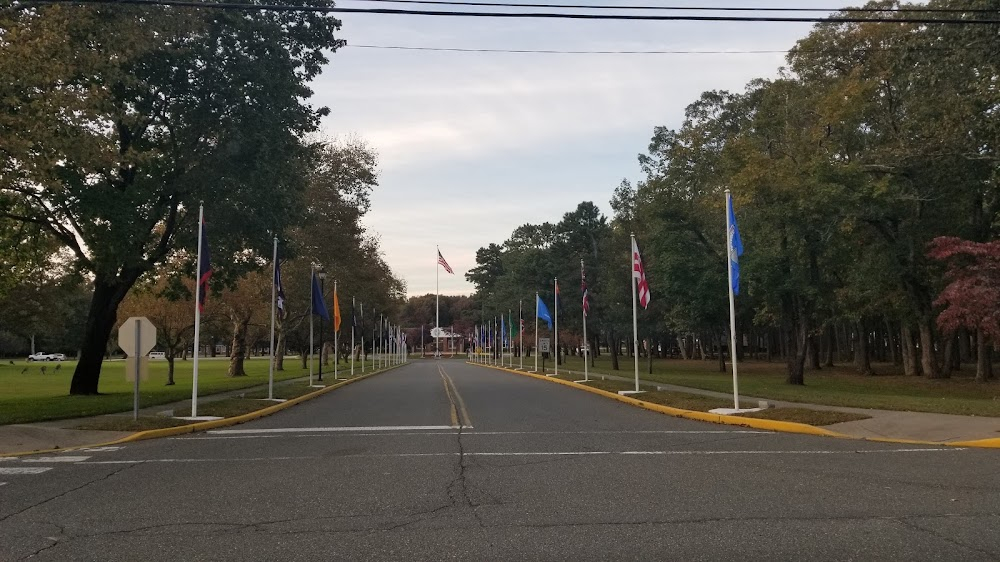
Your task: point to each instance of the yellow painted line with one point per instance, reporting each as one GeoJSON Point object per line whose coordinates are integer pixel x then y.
{"type": "Point", "coordinates": [451, 401]}
{"type": "Point", "coordinates": [466, 419]}
{"type": "Point", "coordinates": [213, 424]}
{"type": "Point", "coordinates": [755, 423]}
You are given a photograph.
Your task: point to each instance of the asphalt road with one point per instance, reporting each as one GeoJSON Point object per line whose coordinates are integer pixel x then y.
{"type": "Point", "coordinates": [447, 461]}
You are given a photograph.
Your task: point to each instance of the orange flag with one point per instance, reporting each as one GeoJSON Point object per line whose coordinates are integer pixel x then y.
{"type": "Point", "coordinates": [336, 311]}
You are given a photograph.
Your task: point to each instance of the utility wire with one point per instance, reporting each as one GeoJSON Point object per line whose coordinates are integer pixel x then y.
{"type": "Point", "coordinates": [563, 52]}
{"type": "Point", "coordinates": [512, 15]}
{"type": "Point", "coordinates": [688, 8]}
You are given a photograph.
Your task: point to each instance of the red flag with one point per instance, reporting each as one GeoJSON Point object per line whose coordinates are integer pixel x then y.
{"type": "Point", "coordinates": [444, 263]}
{"type": "Point", "coordinates": [583, 287]}
{"type": "Point", "coordinates": [639, 273]}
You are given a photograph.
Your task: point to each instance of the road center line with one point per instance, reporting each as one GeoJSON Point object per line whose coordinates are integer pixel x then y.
{"type": "Point", "coordinates": [55, 459]}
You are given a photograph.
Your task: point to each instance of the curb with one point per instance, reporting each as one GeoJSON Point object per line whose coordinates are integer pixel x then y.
{"type": "Point", "coordinates": [206, 425]}
{"type": "Point", "coordinates": [754, 423]}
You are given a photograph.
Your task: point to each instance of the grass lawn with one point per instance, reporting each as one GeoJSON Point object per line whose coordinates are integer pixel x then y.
{"type": "Point", "coordinates": [32, 396]}
{"type": "Point", "coordinates": [839, 386]}
{"type": "Point", "coordinates": [701, 403]}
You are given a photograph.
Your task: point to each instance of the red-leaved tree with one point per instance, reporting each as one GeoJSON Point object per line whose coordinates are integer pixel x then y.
{"type": "Point", "coordinates": [972, 297]}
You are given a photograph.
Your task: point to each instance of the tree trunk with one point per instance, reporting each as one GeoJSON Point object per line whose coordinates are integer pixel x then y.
{"type": "Point", "coordinates": [613, 348]}
{"type": "Point", "coordinates": [812, 352]}
{"type": "Point", "coordinates": [701, 349]}
{"type": "Point", "coordinates": [984, 358]}
{"type": "Point", "coordinates": [890, 334]}
{"type": "Point", "coordinates": [911, 365]}
{"type": "Point", "coordinates": [170, 369]}
{"type": "Point", "coordinates": [796, 332]}
{"type": "Point", "coordinates": [862, 355]}
{"type": "Point", "coordinates": [948, 356]}
{"type": "Point", "coordinates": [682, 345]}
{"type": "Point", "coordinates": [279, 353]}
{"type": "Point", "coordinates": [722, 356]}
{"type": "Point", "coordinates": [239, 349]}
{"type": "Point", "coordinates": [928, 361]}
{"type": "Point", "coordinates": [831, 343]}
{"type": "Point", "coordinates": [101, 319]}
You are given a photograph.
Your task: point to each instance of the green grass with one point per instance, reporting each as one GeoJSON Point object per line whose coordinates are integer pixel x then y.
{"type": "Point", "coordinates": [839, 386]}
{"type": "Point", "coordinates": [124, 423]}
{"type": "Point", "coordinates": [700, 403]}
{"type": "Point", "coordinates": [802, 415]}
{"type": "Point", "coordinates": [32, 396]}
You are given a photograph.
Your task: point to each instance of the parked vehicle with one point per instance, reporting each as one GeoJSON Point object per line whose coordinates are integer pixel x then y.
{"type": "Point", "coordinates": [42, 356]}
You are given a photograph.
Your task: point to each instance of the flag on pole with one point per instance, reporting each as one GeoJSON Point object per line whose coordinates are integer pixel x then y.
{"type": "Point", "coordinates": [583, 288]}
{"type": "Point", "coordinates": [279, 289]}
{"type": "Point", "coordinates": [318, 303]}
{"type": "Point", "coordinates": [543, 312]}
{"type": "Point", "coordinates": [735, 246]}
{"type": "Point", "coordinates": [336, 310]}
{"type": "Point", "coordinates": [503, 329]}
{"type": "Point", "coordinates": [204, 268]}
{"type": "Point", "coordinates": [558, 305]}
{"type": "Point", "coordinates": [639, 273]}
{"type": "Point", "coordinates": [444, 263]}
{"type": "Point", "coordinates": [354, 317]}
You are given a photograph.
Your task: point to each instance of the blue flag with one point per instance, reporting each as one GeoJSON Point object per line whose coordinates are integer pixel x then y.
{"type": "Point", "coordinates": [734, 244]}
{"type": "Point", "coordinates": [543, 312]}
{"type": "Point", "coordinates": [318, 304]}
{"type": "Point", "coordinates": [503, 331]}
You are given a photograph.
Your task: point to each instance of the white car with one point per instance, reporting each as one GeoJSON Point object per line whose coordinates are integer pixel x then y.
{"type": "Point", "coordinates": [42, 356]}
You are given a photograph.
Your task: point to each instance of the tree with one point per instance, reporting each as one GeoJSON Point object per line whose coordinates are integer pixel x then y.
{"type": "Point", "coordinates": [138, 113]}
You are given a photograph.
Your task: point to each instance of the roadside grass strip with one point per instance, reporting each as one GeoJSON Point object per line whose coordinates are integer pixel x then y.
{"type": "Point", "coordinates": [743, 421]}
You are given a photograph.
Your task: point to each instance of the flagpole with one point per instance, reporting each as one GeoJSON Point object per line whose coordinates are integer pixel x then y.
{"type": "Point", "coordinates": [352, 336]}
{"type": "Point", "coordinates": [312, 312]}
{"type": "Point", "coordinates": [336, 334]}
{"type": "Point", "coordinates": [274, 296]}
{"type": "Point", "coordinates": [536, 332]}
{"type": "Point", "coordinates": [510, 338]}
{"type": "Point", "coordinates": [635, 324]}
{"type": "Point", "coordinates": [362, 337]}
{"type": "Point", "coordinates": [586, 343]}
{"type": "Point", "coordinates": [520, 329]}
{"type": "Point", "coordinates": [437, 304]}
{"type": "Point", "coordinates": [197, 314]}
{"type": "Point", "coordinates": [555, 298]}
{"type": "Point", "coordinates": [732, 300]}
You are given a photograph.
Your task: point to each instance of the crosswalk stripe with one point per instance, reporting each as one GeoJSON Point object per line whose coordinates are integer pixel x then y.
{"type": "Point", "coordinates": [101, 449]}
{"type": "Point", "coordinates": [24, 469]}
{"type": "Point", "coordinates": [56, 459]}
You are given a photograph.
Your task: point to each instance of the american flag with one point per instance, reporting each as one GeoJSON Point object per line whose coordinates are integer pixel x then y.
{"type": "Point", "coordinates": [583, 287]}
{"type": "Point", "coordinates": [444, 263]}
{"type": "Point", "coordinates": [204, 268]}
{"type": "Point", "coordinates": [639, 273]}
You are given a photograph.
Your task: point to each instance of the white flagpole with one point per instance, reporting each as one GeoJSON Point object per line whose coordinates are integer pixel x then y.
{"type": "Point", "coordinates": [312, 283]}
{"type": "Point", "coordinates": [336, 338]}
{"type": "Point", "coordinates": [437, 304]}
{"type": "Point", "coordinates": [520, 329]}
{"type": "Point", "coordinates": [732, 301]}
{"type": "Point", "coordinates": [555, 301]}
{"type": "Point", "coordinates": [510, 342]}
{"type": "Point", "coordinates": [536, 332]}
{"type": "Point", "coordinates": [197, 315]}
{"type": "Point", "coordinates": [635, 320]}
{"type": "Point", "coordinates": [352, 336]}
{"type": "Point", "coordinates": [586, 343]}
{"type": "Point", "coordinates": [274, 297]}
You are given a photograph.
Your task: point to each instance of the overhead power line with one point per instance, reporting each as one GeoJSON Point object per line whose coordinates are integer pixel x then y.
{"type": "Point", "coordinates": [688, 8]}
{"type": "Point", "coordinates": [521, 15]}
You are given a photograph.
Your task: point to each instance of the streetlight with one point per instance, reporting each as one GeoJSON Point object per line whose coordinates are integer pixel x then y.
{"type": "Point", "coordinates": [322, 291]}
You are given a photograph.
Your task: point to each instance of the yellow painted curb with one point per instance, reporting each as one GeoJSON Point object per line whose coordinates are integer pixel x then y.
{"type": "Point", "coordinates": [755, 423]}
{"type": "Point", "coordinates": [206, 425]}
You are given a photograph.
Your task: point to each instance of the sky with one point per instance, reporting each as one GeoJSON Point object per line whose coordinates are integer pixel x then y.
{"type": "Point", "coordinates": [473, 145]}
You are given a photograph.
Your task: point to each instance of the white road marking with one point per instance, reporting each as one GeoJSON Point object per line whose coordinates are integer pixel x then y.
{"type": "Point", "coordinates": [24, 469]}
{"type": "Point", "coordinates": [56, 459]}
{"type": "Point", "coordinates": [535, 454]}
{"type": "Point", "coordinates": [3, 483]}
{"type": "Point", "coordinates": [101, 449]}
{"type": "Point", "coordinates": [340, 429]}
{"type": "Point", "coordinates": [8, 459]}
{"type": "Point", "coordinates": [452, 433]}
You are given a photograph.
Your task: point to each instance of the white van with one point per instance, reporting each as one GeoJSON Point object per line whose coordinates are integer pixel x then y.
{"type": "Point", "coordinates": [157, 355]}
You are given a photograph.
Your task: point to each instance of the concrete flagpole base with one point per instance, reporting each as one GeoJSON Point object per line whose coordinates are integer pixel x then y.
{"type": "Point", "coordinates": [198, 418]}
{"type": "Point", "coordinates": [732, 411]}
{"type": "Point", "coordinates": [631, 392]}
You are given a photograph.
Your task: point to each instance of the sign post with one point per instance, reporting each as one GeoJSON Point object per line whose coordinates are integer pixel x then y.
{"type": "Point", "coordinates": [136, 338]}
